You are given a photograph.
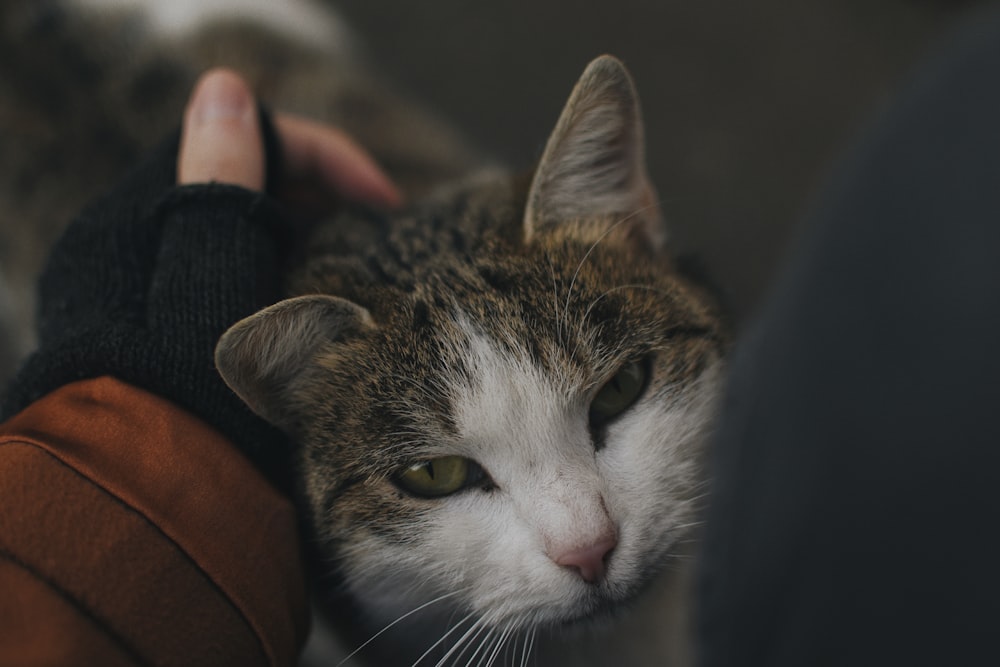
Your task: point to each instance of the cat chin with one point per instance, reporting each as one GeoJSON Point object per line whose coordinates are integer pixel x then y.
{"type": "Point", "coordinates": [577, 611]}
{"type": "Point", "coordinates": [602, 611]}
{"type": "Point", "coordinates": [597, 615]}
{"type": "Point", "coordinates": [607, 609]}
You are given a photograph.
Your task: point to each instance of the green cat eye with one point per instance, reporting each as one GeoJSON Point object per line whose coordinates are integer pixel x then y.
{"type": "Point", "coordinates": [619, 393]}
{"type": "Point", "coordinates": [440, 477]}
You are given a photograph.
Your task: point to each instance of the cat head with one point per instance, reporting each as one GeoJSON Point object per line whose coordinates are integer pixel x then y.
{"type": "Point", "coordinates": [501, 405]}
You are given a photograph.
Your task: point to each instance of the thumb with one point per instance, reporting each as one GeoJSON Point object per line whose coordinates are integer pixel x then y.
{"type": "Point", "coordinates": [221, 139]}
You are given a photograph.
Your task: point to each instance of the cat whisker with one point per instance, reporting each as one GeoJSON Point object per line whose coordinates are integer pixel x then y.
{"type": "Point", "coordinates": [400, 443]}
{"type": "Point", "coordinates": [525, 650]}
{"type": "Point", "coordinates": [490, 654]}
{"type": "Point", "coordinates": [395, 622]}
{"type": "Point", "coordinates": [480, 645]}
{"type": "Point", "coordinates": [430, 389]}
{"type": "Point", "coordinates": [586, 314]}
{"type": "Point", "coordinates": [510, 652]}
{"type": "Point", "coordinates": [590, 250]}
{"type": "Point", "coordinates": [704, 494]}
{"type": "Point", "coordinates": [422, 386]}
{"type": "Point", "coordinates": [512, 649]}
{"type": "Point", "coordinates": [464, 641]}
{"type": "Point", "coordinates": [495, 646]}
{"type": "Point", "coordinates": [696, 499]}
{"type": "Point", "coordinates": [675, 567]}
{"type": "Point", "coordinates": [555, 300]}
{"type": "Point", "coordinates": [688, 541]}
{"type": "Point", "coordinates": [690, 524]}
{"type": "Point", "coordinates": [453, 628]}
{"type": "Point", "coordinates": [531, 646]}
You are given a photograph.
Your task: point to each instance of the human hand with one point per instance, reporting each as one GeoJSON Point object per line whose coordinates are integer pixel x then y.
{"type": "Point", "coordinates": [147, 278]}
{"type": "Point", "coordinates": [221, 142]}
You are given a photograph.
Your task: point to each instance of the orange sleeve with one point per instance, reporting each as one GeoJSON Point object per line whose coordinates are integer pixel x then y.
{"type": "Point", "coordinates": [132, 533]}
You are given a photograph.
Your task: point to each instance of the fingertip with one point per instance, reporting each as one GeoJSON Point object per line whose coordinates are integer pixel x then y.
{"type": "Point", "coordinates": [219, 93]}
{"type": "Point", "coordinates": [336, 160]}
{"type": "Point", "coordinates": [369, 183]}
{"type": "Point", "coordinates": [221, 137]}
{"type": "Point", "coordinates": [392, 197]}
{"type": "Point", "coordinates": [356, 175]}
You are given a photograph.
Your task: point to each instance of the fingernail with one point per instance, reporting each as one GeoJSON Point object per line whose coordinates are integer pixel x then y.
{"type": "Point", "coordinates": [393, 196]}
{"type": "Point", "coordinates": [221, 95]}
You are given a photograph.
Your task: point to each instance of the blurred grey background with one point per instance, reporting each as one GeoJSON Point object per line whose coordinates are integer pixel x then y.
{"type": "Point", "coordinates": [747, 104]}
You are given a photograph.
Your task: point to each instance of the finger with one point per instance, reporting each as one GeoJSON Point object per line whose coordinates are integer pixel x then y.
{"type": "Point", "coordinates": [221, 138]}
{"type": "Point", "coordinates": [312, 149]}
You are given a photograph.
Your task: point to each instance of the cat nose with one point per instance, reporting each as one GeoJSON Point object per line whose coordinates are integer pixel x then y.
{"type": "Point", "coordinates": [590, 561]}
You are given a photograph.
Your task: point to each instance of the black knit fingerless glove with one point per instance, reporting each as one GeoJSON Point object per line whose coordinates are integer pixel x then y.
{"type": "Point", "coordinates": [142, 285]}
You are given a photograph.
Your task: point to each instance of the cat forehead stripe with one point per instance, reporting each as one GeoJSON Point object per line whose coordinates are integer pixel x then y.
{"type": "Point", "coordinates": [505, 397]}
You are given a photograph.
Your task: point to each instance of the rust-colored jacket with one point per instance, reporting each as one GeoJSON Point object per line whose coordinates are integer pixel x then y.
{"type": "Point", "coordinates": [132, 533]}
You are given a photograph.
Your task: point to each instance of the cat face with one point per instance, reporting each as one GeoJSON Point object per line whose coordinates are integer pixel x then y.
{"type": "Point", "coordinates": [580, 423]}
{"type": "Point", "coordinates": [501, 410]}
{"type": "Point", "coordinates": [569, 514]}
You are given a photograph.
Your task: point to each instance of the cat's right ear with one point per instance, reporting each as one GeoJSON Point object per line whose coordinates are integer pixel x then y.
{"type": "Point", "coordinates": [591, 182]}
{"type": "Point", "coordinates": [260, 356]}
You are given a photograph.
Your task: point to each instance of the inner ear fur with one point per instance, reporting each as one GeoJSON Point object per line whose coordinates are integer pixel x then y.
{"type": "Point", "coordinates": [591, 181]}
{"type": "Point", "coordinates": [260, 356]}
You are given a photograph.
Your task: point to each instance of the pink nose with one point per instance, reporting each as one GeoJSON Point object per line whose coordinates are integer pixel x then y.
{"type": "Point", "coordinates": [590, 561]}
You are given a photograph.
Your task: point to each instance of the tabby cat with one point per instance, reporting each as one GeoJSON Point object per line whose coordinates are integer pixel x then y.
{"type": "Point", "coordinates": [499, 396]}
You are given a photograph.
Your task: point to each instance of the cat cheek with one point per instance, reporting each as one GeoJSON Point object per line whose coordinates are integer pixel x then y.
{"type": "Point", "coordinates": [378, 509]}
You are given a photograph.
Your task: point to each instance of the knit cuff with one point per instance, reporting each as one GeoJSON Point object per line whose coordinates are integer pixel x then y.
{"type": "Point", "coordinates": [216, 263]}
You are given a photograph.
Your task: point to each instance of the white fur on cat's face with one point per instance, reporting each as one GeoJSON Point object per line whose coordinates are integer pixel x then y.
{"type": "Point", "coordinates": [493, 551]}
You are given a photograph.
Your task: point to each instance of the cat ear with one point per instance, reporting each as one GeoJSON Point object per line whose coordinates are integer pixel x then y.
{"type": "Point", "coordinates": [260, 356]}
{"type": "Point", "coordinates": [591, 181]}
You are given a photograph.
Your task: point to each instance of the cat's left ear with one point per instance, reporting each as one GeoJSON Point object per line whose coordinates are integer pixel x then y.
{"type": "Point", "coordinates": [261, 357]}
{"type": "Point", "coordinates": [591, 182]}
